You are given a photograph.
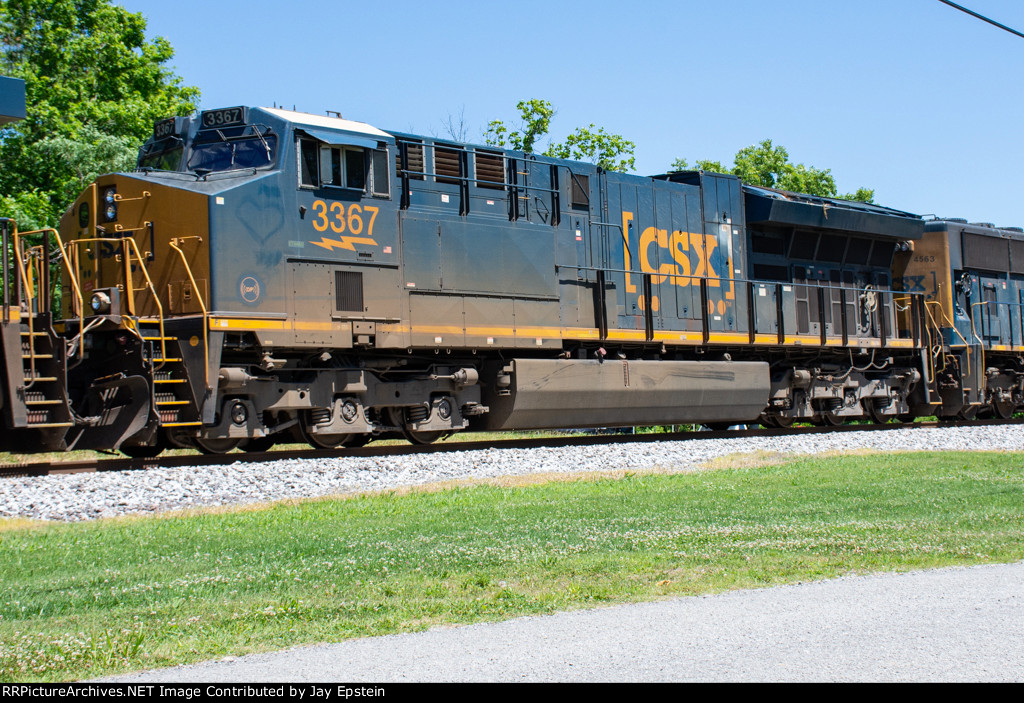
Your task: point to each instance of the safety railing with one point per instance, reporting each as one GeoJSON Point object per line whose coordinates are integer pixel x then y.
{"type": "Point", "coordinates": [990, 326]}
{"type": "Point", "coordinates": [130, 255]}
{"type": "Point", "coordinates": [202, 303]}
{"type": "Point", "coordinates": [518, 190]}
{"type": "Point", "coordinates": [31, 289]}
{"type": "Point", "coordinates": [844, 315]}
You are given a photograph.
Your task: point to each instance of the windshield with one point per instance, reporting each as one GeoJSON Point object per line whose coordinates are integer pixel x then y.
{"type": "Point", "coordinates": [215, 152]}
{"type": "Point", "coordinates": [162, 154]}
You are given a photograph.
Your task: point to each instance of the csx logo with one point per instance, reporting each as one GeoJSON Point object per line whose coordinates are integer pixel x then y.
{"type": "Point", "coordinates": [687, 257]}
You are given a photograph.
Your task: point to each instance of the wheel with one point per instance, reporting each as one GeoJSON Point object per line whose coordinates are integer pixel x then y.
{"type": "Point", "coordinates": [875, 413]}
{"type": "Point", "coordinates": [827, 418]}
{"type": "Point", "coordinates": [416, 437]}
{"type": "Point", "coordinates": [397, 417]}
{"type": "Point", "coordinates": [1003, 408]}
{"type": "Point", "coordinates": [258, 444]}
{"type": "Point", "coordinates": [142, 451]}
{"type": "Point", "coordinates": [968, 412]}
{"type": "Point", "coordinates": [323, 441]}
{"type": "Point", "coordinates": [220, 445]}
{"type": "Point", "coordinates": [328, 441]}
{"type": "Point", "coordinates": [783, 421]}
{"type": "Point", "coordinates": [360, 440]}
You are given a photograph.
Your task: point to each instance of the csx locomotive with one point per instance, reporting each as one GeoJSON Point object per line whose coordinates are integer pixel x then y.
{"type": "Point", "coordinates": [266, 275]}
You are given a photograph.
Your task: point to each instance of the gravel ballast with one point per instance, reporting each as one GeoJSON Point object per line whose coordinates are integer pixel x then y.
{"type": "Point", "coordinates": [77, 497]}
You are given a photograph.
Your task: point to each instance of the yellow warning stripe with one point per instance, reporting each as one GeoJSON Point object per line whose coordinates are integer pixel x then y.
{"type": "Point", "coordinates": [552, 333]}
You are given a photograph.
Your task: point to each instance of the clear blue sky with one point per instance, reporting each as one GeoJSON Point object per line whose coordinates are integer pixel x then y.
{"type": "Point", "coordinates": [910, 97]}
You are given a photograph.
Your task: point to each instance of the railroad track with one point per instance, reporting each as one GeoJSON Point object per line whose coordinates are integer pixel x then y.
{"type": "Point", "coordinates": [127, 464]}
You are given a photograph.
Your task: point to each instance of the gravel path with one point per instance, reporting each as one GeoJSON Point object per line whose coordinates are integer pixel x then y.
{"type": "Point", "coordinates": [89, 496]}
{"type": "Point", "coordinates": [963, 624]}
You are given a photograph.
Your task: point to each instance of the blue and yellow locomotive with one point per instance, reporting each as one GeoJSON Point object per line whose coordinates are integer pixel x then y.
{"type": "Point", "coordinates": [266, 275]}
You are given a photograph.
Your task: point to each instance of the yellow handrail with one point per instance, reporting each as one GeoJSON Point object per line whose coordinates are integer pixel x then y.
{"type": "Point", "coordinates": [30, 294]}
{"type": "Point", "coordinates": [202, 304]}
{"type": "Point", "coordinates": [129, 288]}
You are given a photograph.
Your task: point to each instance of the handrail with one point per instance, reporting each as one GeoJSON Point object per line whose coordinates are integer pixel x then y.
{"type": "Point", "coordinates": [129, 287]}
{"type": "Point", "coordinates": [202, 304]}
{"type": "Point", "coordinates": [25, 290]}
{"type": "Point", "coordinates": [888, 296]}
{"type": "Point", "coordinates": [29, 294]}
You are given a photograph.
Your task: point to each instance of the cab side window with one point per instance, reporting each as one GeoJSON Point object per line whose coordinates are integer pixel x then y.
{"type": "Point", "coordinates": [355, 168]}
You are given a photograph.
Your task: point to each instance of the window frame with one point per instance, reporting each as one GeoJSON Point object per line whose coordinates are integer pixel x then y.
{"type": "Point", "coordinates": [323, 149]}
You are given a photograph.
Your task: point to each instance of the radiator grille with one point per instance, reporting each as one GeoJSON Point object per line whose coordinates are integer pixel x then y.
{"type": "Point", "coordinates": [446, 164]}
{"type": "Point", "coordinates": [989, 253]}
{"type": "Point", "coordinates": [348, 286]}
{"type": "Point", "coordinates": [490, 170]}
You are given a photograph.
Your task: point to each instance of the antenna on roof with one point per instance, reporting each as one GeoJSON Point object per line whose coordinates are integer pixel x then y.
{"type": "Point", "coordinates": [333, 112]}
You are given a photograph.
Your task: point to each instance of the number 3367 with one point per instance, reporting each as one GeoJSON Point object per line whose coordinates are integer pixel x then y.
{"type": "Point", "coordinates": [341, 219]}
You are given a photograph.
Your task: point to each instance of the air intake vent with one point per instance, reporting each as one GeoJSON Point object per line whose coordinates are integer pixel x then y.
{"type": "Point", "coordinates": [415, 152]}
{"type": "Point", "coordinates": [446, 164]}
{"type": "Point", "coordinates": [490, 170]}
{"type": "Point", "coordinates": [348, 286]}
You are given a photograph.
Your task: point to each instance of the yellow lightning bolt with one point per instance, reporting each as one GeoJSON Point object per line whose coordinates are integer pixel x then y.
{"type": "Point", "coordinates": [345, 243]}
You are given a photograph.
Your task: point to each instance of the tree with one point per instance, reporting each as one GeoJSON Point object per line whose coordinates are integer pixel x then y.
{"type": "Point", "coordinates": [768, 165]}
{"type": "Point", "coordinates": [94, 86]}
{"type": "Point", "coordinates": [612, 152]}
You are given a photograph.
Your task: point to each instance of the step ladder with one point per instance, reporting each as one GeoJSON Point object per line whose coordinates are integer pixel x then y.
{"type": "Point", "coordinates": [35, 367]}
{"type": "Point", "coordinates": [173, 399]}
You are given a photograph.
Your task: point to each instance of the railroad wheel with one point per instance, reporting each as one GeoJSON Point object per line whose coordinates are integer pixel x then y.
{"type": "Point", "coordinates": [142, 451]}
{"type": "Point", "coordinates": [875, 413]}
{"type": "Point", "coordinates": [398, 417]}
{"type": "Point", "coordinates": [220, 445]}
{"type": "Point", "coordinates": [827, 418]}
{"type": "Point", "coordinates": [328, 441]}
{"type": "Point", "coordinates": [360, 440]}
{"type": "Point", "coordinates": [968, 412]}
{"type": "Point", "coordinates": [258, 444]}
{"type": "Point", "coordinates": [1003, 408]}
{"type": "Point", "coordinates": [783, 421]}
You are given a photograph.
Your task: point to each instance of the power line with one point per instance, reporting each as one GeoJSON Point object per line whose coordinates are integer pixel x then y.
{"type": "Point", "coordinates": [982, 18]}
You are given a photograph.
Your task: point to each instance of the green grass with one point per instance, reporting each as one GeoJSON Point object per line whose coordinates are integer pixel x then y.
{"type": "Point", "coordinates": [95, 598]}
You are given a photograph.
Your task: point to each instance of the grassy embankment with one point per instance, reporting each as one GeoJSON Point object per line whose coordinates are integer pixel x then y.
{"type": "Point", "coordinates": [93, 598]}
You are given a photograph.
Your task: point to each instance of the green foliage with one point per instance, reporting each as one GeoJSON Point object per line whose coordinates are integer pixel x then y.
{"type": "Point", "coordinates": [597, 146]}
{"type": "Point", "coordinates": [767, 165]}
{"type": "Point", "coordinates": [94, 86]}
{"type": "Point", "coordinates": [612, 152]}
{"type": "Point", "coordinates": [536, 116]}
{"type": "Point", "coordinates": [862, 195]}
{"type": "Point", "coordinates": [699, 165]}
